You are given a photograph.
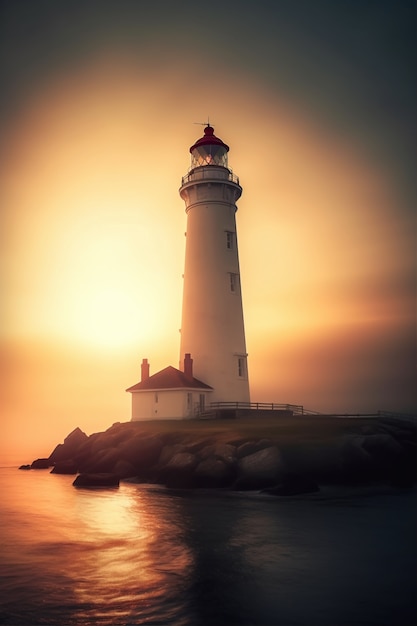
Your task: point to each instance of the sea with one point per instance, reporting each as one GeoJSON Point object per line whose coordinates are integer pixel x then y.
{"type": "Point", "coordinates": [142, 554]}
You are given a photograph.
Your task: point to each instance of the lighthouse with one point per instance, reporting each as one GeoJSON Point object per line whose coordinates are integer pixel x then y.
{"type": "Point", "coordinates": [212, 326]}
{"type": "Point", "coordinates": [213, 370]}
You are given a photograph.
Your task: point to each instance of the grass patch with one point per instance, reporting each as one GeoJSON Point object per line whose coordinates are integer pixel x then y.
{"type": "Point", "coordinates": [289, 430]}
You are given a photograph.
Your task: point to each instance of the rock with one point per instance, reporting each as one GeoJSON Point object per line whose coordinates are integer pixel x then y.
{"type": "Point", "coordinates": [102, 461]}
{"type": "Point", "coordinates": [320, 461]}
{"type": "Point", "coordinates": [65, 467]}
{"type": "Point", "coordinates": [381, 445]}
{"type": "Point", "coordinates": [41, 464]}
{"type": "Point", "coordinates": [403, 472]}
{"type": "Point", "coordinates": [170, 438]}
{"type": "Point", "coordinates": [83, 455]}
{"type": "Point", "coordinates": [124, 469]}
{"type": "Point", "coordinates": [198, 446]}
{"type": "Point", "coordinates": [403, 425]}
{"type": "Point", "coordinates": [75, 438]}
{"type": "Point", "coordinates": [68, 449]}
{"type": "Point", "coordinates": [25, 467]}
{"type": "Point", "coordinates": [386, 454]}
{"type": "Point", "coordinates": [179, 471]}
{"type": "Point", "coordinates": [168, 452]}
{"type": "Point", "coordinates": [111, 439]}
{"type": "Point", "coordinates": [119, 432]}
{"type": "Point", "coordinates": [399, 433]}
{"type": "Point", "coordinates": [293, 485]}
{"type": "Point", "coordinates": [96, 480]}
{"type": "Point", "coordinates": [260, 469]}
{"type": "Point", "coordinates": [250, 447]}
{"type": "Point", "coordinates": [214, 473]}
{"type": "Point", "coordinates": [223, 451]}
{"type": "Point", "coordinates": [238, 442]}
{"type": "Point", "coordinates": [368, 430]}
{"type": "Point", "coordinates": [141, 451]}
{"type": "Point", "coordinates": [356, 462]}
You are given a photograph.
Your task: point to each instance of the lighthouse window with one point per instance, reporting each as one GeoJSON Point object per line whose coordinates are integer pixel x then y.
{"type": "Point", "coordinates": [233, 282]}
{"type": "Point", "coordinates": [229, 240]}
{"type": "Point", "coordinates": [241, 367]}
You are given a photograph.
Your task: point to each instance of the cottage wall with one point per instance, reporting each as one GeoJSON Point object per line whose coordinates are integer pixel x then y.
{"type": "Point", "coordinates": [166, 403]}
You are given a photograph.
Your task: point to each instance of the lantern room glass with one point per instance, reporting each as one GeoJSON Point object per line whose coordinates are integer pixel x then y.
{"type": "Point", "coordinates": [209, 154]}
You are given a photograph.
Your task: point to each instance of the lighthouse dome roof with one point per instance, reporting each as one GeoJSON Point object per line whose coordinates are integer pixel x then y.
{"type": "Point", "coordinates": [209, 139]}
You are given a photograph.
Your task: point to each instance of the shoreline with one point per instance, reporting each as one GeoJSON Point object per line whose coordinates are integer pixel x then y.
{"type": "Point", "coordinates": [281, 455]}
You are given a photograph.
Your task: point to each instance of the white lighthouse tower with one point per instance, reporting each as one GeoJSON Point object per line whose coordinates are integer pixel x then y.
{"type": "Point", "coordinates": [212, 328]}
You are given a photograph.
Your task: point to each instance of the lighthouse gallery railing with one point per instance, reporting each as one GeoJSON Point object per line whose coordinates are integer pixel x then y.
{"type": "Point", "coordinates": [209, 172]}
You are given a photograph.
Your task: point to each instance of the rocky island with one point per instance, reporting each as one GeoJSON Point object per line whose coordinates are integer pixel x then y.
{"type": "Point", "coordinates": [283, 456]}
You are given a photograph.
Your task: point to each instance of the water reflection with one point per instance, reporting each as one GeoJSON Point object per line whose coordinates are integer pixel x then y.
{"type": "Point", "coordinates": [137, 565]}
{"type": "Point", "coordinates": [99, 557]}
{"type": "Point", "coordinates": [145, 555]}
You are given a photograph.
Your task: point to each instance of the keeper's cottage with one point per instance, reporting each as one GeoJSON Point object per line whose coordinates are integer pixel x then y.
{"type": "Point", "coordinates": [213, 359]}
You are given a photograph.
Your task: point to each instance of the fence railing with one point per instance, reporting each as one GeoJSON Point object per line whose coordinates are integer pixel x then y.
{"type": "Point", "coordinates": [213, 407]}
{"type": "Point", "coordinates": [210, 172]}
{"type": "Point", "coordinates": [210, 410]}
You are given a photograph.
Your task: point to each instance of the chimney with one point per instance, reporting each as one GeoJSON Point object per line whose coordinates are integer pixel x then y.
{"type": "Point", "coordinates": [144, 368]}
{"type": "Point", "coordinates": [188, 366]}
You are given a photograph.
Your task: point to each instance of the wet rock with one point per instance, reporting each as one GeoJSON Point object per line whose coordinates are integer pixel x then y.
{"type": "Point", "coordinates": [96, 480]}
{"type": "Point", "coordinates": [179, 471]}
{"type": "Point", "coordinates": [25, 467]}
{"type": "Point", "coordinates": [41, 464]}
{"type": "Point", "coordinates": [260, 469]}
{"type": "Point", "coordinates": [65, 467]}
{"type": "Point", "coordinates": [293, 485]}
{"type": "Point", "coordinates": [214, 473]}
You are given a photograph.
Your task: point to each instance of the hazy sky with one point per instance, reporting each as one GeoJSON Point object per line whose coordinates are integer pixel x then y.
{"type": "Point", "coordinates": [98, 99]}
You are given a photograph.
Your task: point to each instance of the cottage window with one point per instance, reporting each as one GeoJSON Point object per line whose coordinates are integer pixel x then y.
{"type": "Point", "coordinates": [202, 401]}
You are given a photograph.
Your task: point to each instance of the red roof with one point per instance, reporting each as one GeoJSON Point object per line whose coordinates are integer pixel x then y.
{"type": "Point", "coordinates": [169, 378]}
{"type": "Point", "coordinates": [209, 139]}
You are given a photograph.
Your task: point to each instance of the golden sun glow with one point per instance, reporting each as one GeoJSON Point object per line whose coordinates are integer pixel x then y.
{"type": "Point", "coordinates": [83, 221]}
{"type": "Point", "coordinates": [95, 248]}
